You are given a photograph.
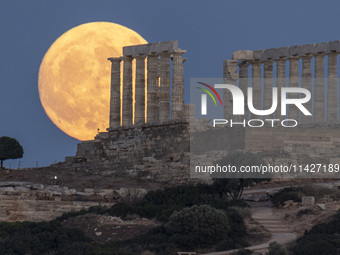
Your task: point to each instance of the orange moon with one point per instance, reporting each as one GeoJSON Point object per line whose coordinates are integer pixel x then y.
{"type": "Point", "coordinates": [74, 76]}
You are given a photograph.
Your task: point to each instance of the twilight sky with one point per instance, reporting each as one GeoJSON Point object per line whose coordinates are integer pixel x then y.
{"type": "Point", "coordinates": [209, 30]}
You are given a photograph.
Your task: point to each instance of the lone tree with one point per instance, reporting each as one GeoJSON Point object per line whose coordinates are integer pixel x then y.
{"type": "Point", "coordinates": [234, 186]}
{"type": "Point", "coordinates": [10, 148]}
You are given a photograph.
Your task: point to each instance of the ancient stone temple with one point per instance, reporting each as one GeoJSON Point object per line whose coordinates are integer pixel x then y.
{"type": "Point", "coordinates": [156, 58]}
{"type": "Point", "coordinates": [288, 64]}
{"type": "Point", "coordinates": [148, 138]}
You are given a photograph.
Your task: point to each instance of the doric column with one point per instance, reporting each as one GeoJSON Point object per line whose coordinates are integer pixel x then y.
{"type": "Point", "coordinates": [293, 82]}
{"type": "Point", "coordinates": [268, 86]}
{"type": "Point", "coordinates": [164, 93]}
{"type": "Point", "coordinates": [319, 89]}
{"type": "Point", "coordinates": [332, 92]}
{"type": "Point", "coordinates": [152, 89]}
{"type": "Point", "coordinates": [127, 91]}
{"type": "Point", "coordinates": [256, 85]}
{"type": "Point", "coordinates": [115, 93]}
{"type": "Point", "coordinates": [140, 90]}
{"type": "Point", "coordinates": [306, 83]}
{"type": "Point", "coordinates": [177, 102]}
{"type": "Point", "coordinates": [243, 85]}
{"type": "Point", "coordinates": [230, 76]}
{"type": "Point", "coordinates": [280, 82]}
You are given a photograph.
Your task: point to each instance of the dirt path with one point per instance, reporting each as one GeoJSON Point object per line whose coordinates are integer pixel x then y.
{"type": "Point", "coordinates": [263, 214]}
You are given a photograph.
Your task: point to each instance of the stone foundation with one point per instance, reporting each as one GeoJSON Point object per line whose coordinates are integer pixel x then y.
{"type": "Point", "coordinates": [152, 152]}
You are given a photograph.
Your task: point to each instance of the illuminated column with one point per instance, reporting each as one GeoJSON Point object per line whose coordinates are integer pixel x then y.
{"type": "Point", "coordinates": [267, 86]}
{"type": "Point", "coordinates": [164, 94]}
{"type": "Point", "coordinates": [115, 92]}
{"type": "Point", "coordinates": [177, 102]}
{"type": "Point", "coordinates": [293, 82]}
{"type": "Point", "coordinates": [230, 76]}
{"type": "Point", "coordinates": [319, 89]}
{"type": "Point", "coordinates": [307, 84]}
{"type": "Point", "coordinates": [140, 90]}
{"type": "Point", "coordinates": [332, 98]}
{"type": "Point", "coordinates": [152, 86]}
{"type": "Point", "coordinates": [256, 85]}
{"type": "Point", "coordinates": [243, 85]}
{"type": "Point", "coordinates": [127, 91]}
{"type": "Point", "coordinates": [280, 82]}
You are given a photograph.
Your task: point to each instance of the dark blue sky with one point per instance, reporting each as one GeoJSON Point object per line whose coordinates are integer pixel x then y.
{"type": "Point", "coordinates": [209, 30]}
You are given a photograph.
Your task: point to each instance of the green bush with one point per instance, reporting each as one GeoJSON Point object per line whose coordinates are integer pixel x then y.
{"type": "Point", "coordinates": [198, 226]}
{"type": "Point", "coordinates": [37, 238]}
{"type": "Point", "coordinates": [276, 249]}
{"type": "Point", "coordinates": [296, 193]}
{"type": "Point", "coordinates": [317, 244]}
{"type": "Point", "coordinates": [322, 239]}
{"type": "Point", "coordinates": [234, 187]}
{"type": "Point", "coordinates": [285, 194]}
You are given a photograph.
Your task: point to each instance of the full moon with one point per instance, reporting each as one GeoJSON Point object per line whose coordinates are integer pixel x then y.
{"type": "Point", "coordinates": [74, 76]}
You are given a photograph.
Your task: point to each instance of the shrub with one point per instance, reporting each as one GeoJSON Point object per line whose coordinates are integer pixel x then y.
{"type": "Point", "coordinates": [238, 203]}
{"type": "Point", "coordinates": [316, 244]}
{"type": "Point", "coordinates": [245, 212]}
{"type": "Point", "coordinates": [276, 249]}
{"type": "Point", "coordinates": [198, 225]}
{"type": "Point", "coordinates": [39, 238]}
{"type": "Point", "coordinates": [285, 194]}
{"type": "Point", "coordinates": [234, 186]}
{"type": "Point", "coordinates": [321, 239]}
{"type": "Point", "coordinates": [238, 229]}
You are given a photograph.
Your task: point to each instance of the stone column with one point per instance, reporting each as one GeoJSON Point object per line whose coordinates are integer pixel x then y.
{"type": "Point", "coordinates": [268, 86]}
{"type": "Point", "coordinates": [256, 85]}
{"type": "Point", "coordinates": [280, 82]}
{"type": "Point", "coordinates": [306, 83]}
{"type": "Point", "coordinates": [293, 82]}
{"type": "Point", "coordinates": [332, 91]}
{"type": "Point", "coordinates": [164, 94]}
{"type": "Point", "coordinates": [319, 89]}
{"type": "Point", "coordinates": [243, 85]}
{"type": "Point", "coordinates": [152, 89]}
{"type": "Point", "coordinates": [127, 91]}
{"type": "Point", "coordinates": [115, 93]}
{"type": "Point", "coordinates": [230, 76]}
{"type": "Point", "coordinates": [177, 102]}
{"type": "Point", "coordinates": [140, 90]}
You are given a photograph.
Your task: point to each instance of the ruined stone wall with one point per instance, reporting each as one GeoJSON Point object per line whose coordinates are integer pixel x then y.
{"type": "Point", "coordinates": [161, 153]}
{"type": "Point", "coordinates": [155, 152]}
{"type": "Point", "coordinates": [304, 144]}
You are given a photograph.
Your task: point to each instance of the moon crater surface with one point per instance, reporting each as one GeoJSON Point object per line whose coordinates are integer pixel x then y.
{"type": "Point", "coordinates": [74, 76]}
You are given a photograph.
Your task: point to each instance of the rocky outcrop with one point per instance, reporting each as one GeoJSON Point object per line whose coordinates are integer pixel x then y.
{"type": "Point", "coordinates": [25, 201]}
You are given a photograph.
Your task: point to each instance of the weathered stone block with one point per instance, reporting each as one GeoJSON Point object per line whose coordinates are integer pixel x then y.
{"type": "Point", "coordinates": [243, 55]}
{"type": "Point", "coordinates": [310, 200]}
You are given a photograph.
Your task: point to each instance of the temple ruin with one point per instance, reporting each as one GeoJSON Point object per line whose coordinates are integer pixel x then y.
{"type": "Point", "coordinates": [284, 62]}
{"type": "Point", "coordinates": [158, 56]}
{"type": "Point", "coordinates": [156, 147]}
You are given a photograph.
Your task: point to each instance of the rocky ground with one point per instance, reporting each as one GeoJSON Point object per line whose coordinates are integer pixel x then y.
{"type": "Point", "coordinates": [301, 218]}
{"type": "Point", "coordinates": [78, 180]}
{"type": "Point", "coordinates": [103, 228]}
